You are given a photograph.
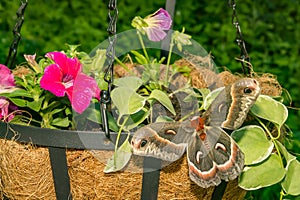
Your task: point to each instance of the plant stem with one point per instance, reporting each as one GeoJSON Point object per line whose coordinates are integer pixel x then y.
{"type": "Point", "coordinates": [281, 194]}
{"type": "Point", "coordinates": [279, 133]}
{"type": "Point", "coordinates": [124, 66]}
{"type": "Point", "coordinates": [121, 63]}
{"type": "Point", "coordinates": [118, 138]}
{"type": "Point", "coordinates": [169, 59]}
{"type": "Point", "coordinates": [143, 46]}
{"type": "Point", "coordinates": [272, 138]}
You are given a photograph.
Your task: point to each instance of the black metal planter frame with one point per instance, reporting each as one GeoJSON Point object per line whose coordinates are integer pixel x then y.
{"type": "Point", "coordinates": [58, 141]}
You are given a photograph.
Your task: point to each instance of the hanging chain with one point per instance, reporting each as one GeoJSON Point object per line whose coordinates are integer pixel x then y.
{"type": "Point", "coordinates": [110, 56]}
{"type": "Point", "coordinates": [17, 35]}
{"type": "Point", "coordinates": [110, 51]}
{"type": "Point", "coordinates": [245, 58]}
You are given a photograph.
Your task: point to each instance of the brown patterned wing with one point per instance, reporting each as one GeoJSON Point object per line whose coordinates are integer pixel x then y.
{"type": "Point", "coordinates": [162, 140]}
{"type": "Point", "coordinates": [213, 156]}
{"type": "Point", "coordinates": [230, 108]}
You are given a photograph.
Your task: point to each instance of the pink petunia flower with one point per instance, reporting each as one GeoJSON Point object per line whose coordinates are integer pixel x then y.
{"type": "Point", "coordinates": [6, 77]}
{"type": "Point", "coordinates": [7, 84]}
{"type": "Point", "coordinates": [65, 76]}
{"type": "Point", "coordinates": [6, 109]}
{"type": "Point", "coordinates": [154, 25]}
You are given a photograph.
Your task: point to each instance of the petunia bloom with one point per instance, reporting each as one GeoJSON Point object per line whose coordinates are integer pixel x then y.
{"type": "Point", "coordinates": [6, 77]}
{"type": "Point", "coordinates": [65, 76]}
{"type": "Point", "coordinates": [7, 84]}
{"type": "Point", "coordinates": [154, 25]}
{"type": "Point", "coordinates": [6, 109]}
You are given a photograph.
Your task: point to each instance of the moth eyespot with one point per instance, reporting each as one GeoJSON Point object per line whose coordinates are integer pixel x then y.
{"type": "Point", "coordinates": [199, 156]}
{"type": "Point", "coordinates": [170, 132]}
{"type": "Point", "coordinates": [220, 146]}
{"type": "Point", "coordinates": [247, 90]}
{"type": "Point", "coordinates": [143, 143]}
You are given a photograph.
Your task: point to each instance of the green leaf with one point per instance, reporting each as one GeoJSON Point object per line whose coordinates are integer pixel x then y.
{"type": "Point", "coordinates": [19, 102]}
{"type": "Point", "coordinates": [120, 159]}
{"type": "Point", "coordinates": [204, 92]}
{"type": "Point", "coordinates": [253, 143]}
{"type": "Point", "coordinates": [112, 123]}
{"type": "Point", "coordinates": [93, 114]}
{"type": "Point", "coordinates": [68, 111]}
{"type": "Point", "coordinates": [288, 157]}
{"type": "Point", "coordinates": [99, 60]}
{"type": "Point", "coordinates": [196, 93]}
{"type": "Point", "coordinates": [132, 82]}
{"type": "Point", "coordinates": [18, 93]}
{"type": "Point", "coordinates": [267, 108]}
{"type": "Point", "coordinates": [163, 99]}
{"type": "Point", "coordinates": [127, 100]}
{"type": "Point", "coordinates": [164, 119]}
{"type": "Point", "coordinates": [57, 110]}
{"type": "Point", "coordinates": [261, 175]}
{"type": "Point", "coordinates": [161, 60]}
{"type": "Point", "coordinates": [61, 122]}
{"type": "Point", "coordinates": [140, 58]}
{"type": "Point", "coordinates": [210, 97]}
{"type": "Point", "coordinates": [291, 182]}
{"type": "Point", "coordinates": [36, 105]}
{"type": "Point", "coordinates": [135, 119]}
{"type": "Point", "coordinates": [20, 119]}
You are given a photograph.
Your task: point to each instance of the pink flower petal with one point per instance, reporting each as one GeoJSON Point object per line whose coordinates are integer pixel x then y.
{"type": "Point", "coordinates": [58, 57]}
{"type": "Point", "coordinates": [156, 24]}
{"type": "Point", "coordinates": [155, 34]}
{"type": "Point", "coordinates": [69, 66]}
{"type": "Point", "coordinates": [162, 18]}
{"type": "Point", "coordinates": [84, 89]}
{"type": "Point", "coordinates": [3, 107]}
{"type": "Point", "coordinates": [97, 93]}
{"type": "Point", "coordinates": [6, 77]}
{"type": "Point", "coordinates": [65, 77]}
{"type": "Point", "coordinates": [52, 80]}
{"type": "Point", "coordinates": [6, 109]}
{"type": "Point", "coordinates": [74, 67]}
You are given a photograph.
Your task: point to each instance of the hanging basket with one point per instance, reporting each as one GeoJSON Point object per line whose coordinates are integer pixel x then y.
{"type": "Point", "coordinates": [26, 173]}
{"type": "Point", "coordinates": [25, 167]}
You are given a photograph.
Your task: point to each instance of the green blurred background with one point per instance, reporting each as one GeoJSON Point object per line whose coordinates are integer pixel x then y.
{"type": "Point", "coordinates": [271, 30]}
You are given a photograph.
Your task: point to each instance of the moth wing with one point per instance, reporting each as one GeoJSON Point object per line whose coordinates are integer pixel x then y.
{"type": "Point", "coordinates": [231, 106]}
{"type": "Point", "coordinates": [213, 156]}
{"type": "Point", "coordinates": [226, 154]}
{"type": "Point", "coordinates": [202, 169]}
{"type": "Point", "coordinates": [218, 109]}
{"type": "Point", "coordinates": [156, 140]}
{"type": "Point", "coordinates": [243, 93]}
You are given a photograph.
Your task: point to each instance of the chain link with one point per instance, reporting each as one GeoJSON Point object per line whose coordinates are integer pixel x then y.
{"type": "Point", "coordinates": [244, 57]}
{"type": "Point", "coordinates": [110, 51]}
{"type": "Point", "coordinates": [17, 35]}
{"type": "Point", "coordinates": [110, 56]}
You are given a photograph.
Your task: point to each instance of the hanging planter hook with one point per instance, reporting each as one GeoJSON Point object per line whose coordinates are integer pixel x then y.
{"type": "Point", "coordinates": [110, 56]}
